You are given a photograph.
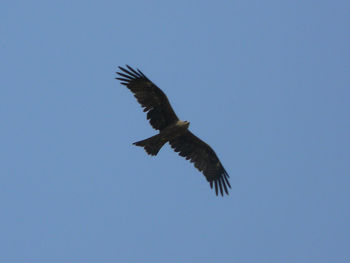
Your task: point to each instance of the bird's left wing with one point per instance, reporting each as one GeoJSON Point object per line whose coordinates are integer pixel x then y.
{"type": "Point", "coordinates": [159, 111]}
{"type": "Point", "coordinates": [204, 159]}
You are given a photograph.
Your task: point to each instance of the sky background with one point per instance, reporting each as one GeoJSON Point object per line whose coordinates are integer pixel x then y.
{"type": "Point", "coordinates": [265, 83]}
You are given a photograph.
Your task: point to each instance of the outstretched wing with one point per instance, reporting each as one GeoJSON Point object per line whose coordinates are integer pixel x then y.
{"type": "Point", "coordinates": [159, 111]}
{"type": "Point", "coordinates": [204, 159]}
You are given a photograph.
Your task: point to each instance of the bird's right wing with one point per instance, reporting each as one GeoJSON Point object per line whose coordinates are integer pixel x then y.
{"type": "Point", "coordinates": [159, 111]}
{"type": "Point", "coordinates": [204, 159]}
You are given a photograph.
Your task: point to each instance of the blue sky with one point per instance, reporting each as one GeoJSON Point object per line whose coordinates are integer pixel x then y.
{"type": "Point", "coordinates": [265, 83]}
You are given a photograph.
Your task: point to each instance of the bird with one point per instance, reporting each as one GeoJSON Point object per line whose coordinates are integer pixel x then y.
{"type": "Point", "coordinates": [172, 130]}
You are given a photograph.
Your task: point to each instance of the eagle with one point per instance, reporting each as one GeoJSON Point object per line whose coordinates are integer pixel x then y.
{"type": "Point", "coordinates": [172, 130]}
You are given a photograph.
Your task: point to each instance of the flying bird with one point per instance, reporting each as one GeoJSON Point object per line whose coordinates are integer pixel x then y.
{"type": "Point", "coordinates": [172, 130]}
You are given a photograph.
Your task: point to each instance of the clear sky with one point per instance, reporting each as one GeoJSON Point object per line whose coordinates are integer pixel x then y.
{"type": "Point", "coordinates": [265, 83]}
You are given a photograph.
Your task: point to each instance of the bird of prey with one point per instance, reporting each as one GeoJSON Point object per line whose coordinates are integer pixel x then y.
{"type": "Point", "coordinates": [172, 130]}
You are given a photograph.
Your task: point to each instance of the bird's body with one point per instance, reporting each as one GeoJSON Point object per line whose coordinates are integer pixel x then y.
{"type": "Point", "coordinates": [173, 130]}
{"type": "Point", "coordinates": [153, 144]}
{"type": "Point", "coordinates": [163, 118]}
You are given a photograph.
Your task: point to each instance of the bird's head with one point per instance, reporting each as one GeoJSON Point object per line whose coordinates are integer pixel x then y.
{"type": "Point", "coordinates": [184, 124]}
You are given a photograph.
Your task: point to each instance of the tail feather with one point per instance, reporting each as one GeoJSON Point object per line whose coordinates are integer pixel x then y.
{"type": "Point", "coordinates": [151, 145]}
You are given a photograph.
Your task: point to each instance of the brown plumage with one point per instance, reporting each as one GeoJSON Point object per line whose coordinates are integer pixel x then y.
{"type": "Point", "coordinates": [163, 118]}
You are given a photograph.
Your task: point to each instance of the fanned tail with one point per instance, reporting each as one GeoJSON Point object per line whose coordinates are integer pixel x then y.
{"type": "Point", "coordinates": [151, 145]}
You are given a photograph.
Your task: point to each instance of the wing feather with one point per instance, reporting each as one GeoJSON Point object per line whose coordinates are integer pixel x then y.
{"type": "Point", "coordinates": [204, 159]}
{"type": "Point", "coordinates": [225, 187]}
{"type": "Point", "coordinates": [159, 111]}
